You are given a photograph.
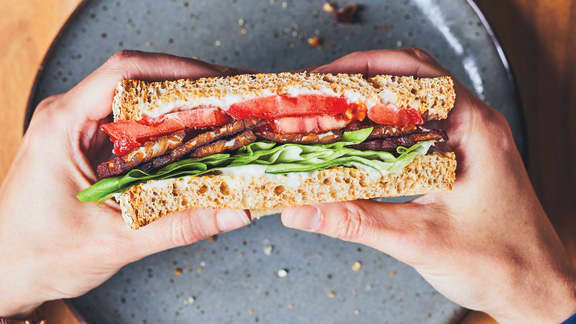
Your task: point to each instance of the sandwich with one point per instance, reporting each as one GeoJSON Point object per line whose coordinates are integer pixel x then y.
{"type": "Point", "coordinates": [265, 141]}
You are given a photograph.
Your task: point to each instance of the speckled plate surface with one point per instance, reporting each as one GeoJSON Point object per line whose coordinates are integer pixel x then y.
{"type": "Point", "coordinates": [234, 279]}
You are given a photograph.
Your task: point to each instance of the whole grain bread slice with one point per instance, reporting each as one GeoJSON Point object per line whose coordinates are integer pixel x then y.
{"type": "Point", "coordinates": [135, 98]}
{"type": "Point", "coordinates": [146, 202]}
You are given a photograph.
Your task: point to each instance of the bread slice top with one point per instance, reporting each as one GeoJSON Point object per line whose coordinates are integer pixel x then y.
{"type": "Point", "coordinates": [134, 99]}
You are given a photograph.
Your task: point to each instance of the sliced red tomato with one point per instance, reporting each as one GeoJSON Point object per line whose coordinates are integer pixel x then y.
{"type": "Point", "coordinates": [273, 107]}
{"type": "Point", "coordinates": [128, 134]}
{"type": "Point", "coordinates": [309, 124]}
{"type": "Point", "coordinates": [389, 114]}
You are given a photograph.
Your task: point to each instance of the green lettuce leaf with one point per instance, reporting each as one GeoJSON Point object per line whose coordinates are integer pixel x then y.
{"type": "Point", "coordinates": [276, 158]}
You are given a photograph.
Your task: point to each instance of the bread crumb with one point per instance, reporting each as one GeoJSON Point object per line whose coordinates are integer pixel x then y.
{"type": "Point", "coordinates": [148, 43]}
{"type": "Point", "coordinates": [356, 266]}
{"type": "Point", "coordinates": [241, 22]}
{"type": "Point", "coordinates": [392, 273]}
{"type": "Point", "coordinates": [212, 238]}
{"type": "Point", "coordinates": [284, 5]}
{"type": "Point", "coordinates": [368, 287]}
{"type": "Point", "coordinates": [315, 41]}
{"type": "Point", "coordinates": [332, 294]}
{"type": "Point", "coordinates": [190, 300]}
{"type": "Point", "coordinates": [290, 306]}
{"type": "Point", "coordinates": [282, 273]}
{"type": "Point", "coordinates": [268, 249]}
{"type": "Point", "coordinates": [328, 7]}
{"type": "Point", "coordinates": [399, 43]}
{"type": "Point", "coordinates": [347, 15]}
{"type": "Point", "coordinates": [178, 271]}
{"type": "Point", "coordinates": [217, 43]}
{"type": "Point", "coordinates": [251, 311]}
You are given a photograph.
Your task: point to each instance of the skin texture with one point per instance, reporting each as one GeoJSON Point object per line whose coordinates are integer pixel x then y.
{"type": "Point", "coordinates": [52, 245]}
{"type": "Point", "coordinates": [487, 245]}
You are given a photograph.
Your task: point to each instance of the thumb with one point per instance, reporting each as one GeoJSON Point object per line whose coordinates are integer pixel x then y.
{"type": "Point", "coordinates": [184, 228]}
{"type": "Point", "coordinates": [398, 229]}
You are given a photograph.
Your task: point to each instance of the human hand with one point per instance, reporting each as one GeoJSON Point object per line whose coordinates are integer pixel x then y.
{"type": "Point", "coordinates": [53, 246]}
{"type": "Point", "coordinates": [486, 245]}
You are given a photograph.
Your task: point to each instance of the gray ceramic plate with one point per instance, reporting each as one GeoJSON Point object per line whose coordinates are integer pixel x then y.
{"type": "Point", "coordinates": [234, 280]}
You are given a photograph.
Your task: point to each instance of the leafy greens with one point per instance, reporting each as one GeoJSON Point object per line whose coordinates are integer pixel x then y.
{"type": "Point", "coordinates": [277, 159]}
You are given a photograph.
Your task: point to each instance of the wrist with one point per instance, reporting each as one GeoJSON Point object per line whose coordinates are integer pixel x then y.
{"type": "Point", "coordinates": [9, 309]}
{"type": "Point", "coordinates": [541, 301]}
{"type": "Point", "coordinates": [17, 300]}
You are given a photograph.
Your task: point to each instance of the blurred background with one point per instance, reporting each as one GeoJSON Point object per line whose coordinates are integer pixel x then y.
{"type": "Point", "coordinates": [537, 36]}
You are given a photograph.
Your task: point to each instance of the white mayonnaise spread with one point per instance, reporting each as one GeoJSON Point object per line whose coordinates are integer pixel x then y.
{"type": "Point", "coordinates": [387, 95]}
{"type": "Point", "coordinates": [293, 179]}
{"type": "Point", "coordinates": [321, 136]}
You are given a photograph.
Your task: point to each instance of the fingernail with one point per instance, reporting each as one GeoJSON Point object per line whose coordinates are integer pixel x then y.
{"type": "Point", "coordinates": [231, 219]}
{"type": "Point", "coordinates": [306, 218]}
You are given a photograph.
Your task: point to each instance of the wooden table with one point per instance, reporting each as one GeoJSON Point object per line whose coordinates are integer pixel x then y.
{"type": "Point", "coordinates": [538, 36]}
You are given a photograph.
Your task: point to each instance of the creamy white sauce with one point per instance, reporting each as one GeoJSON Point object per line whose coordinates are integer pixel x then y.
{"type": "Point", "coordinates": [321, 136]}
{"type": "Point", "coordinates": [376, 174]}
{"type": "Point", "coordinates": [388, 96]}
{"type": "Point", "coordinates": [293, 179]}
{"type": "Point", "coordinates": [245, 171]}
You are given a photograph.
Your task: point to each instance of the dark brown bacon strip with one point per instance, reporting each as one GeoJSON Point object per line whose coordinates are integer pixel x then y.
{"type": "Point", "coordinates": [205, 138]}
{"type": "Point", "coordinates": [391, 143]}
{"type": "Point", "coordinates": [150, 149]}
{"type": "Point", "coordinates": [324, 138]}
{"type": "Point", "coordinates": [381, 131]}
{"type": "Point", "coordinates": [220, 146]}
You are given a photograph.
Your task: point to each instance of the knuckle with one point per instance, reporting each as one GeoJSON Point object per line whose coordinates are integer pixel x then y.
{"type": "Point", "coordinates": [121, 58]}
{"type": "Point", "coordinates": [187, 230]}
{"type": "Point", "coordinates": [46, 104]}
{"type": "Point", "coordinates": [498, 127]}
{"type": "Point", "coordinates": [420, 54]}
{"type": "Point", "coordinates": [351, 225]}
{"type": "Point", "coordinates": [47, 116]}
{"type": "Point", "coordinates": [425, 238]}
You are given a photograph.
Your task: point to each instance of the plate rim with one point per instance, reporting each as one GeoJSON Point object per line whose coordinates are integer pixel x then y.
{"type": "Point", "coordinates": [523, 148]}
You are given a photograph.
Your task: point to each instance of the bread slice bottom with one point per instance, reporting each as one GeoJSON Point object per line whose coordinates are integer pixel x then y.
{"type": "Point", "coordinates": [147, 202]}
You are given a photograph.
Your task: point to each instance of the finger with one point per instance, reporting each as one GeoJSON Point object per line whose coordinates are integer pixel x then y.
{"type": "Point", "coordinates": [398, 62]}
{"type": "Point", "coordinates": [93, 96]}
{"type": "Point", "coordinates": [183, 228]}
{"type": "Point", "coordinates": [396, 229]}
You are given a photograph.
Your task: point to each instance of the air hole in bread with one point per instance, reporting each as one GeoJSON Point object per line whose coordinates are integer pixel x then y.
{"type": "Point", "coordinates": [278, 190]}
{"type": "Point", "coordinates": [224, 189]}
{"type": "Point", "coordinates": [326, 181]}
{"type": "Point", "coordinates": [202, 189]}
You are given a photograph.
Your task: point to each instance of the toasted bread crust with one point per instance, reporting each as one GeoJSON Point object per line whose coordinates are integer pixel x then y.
{"type": "Point", "coordinates": [134, 98]}
{"type": "Point", "coordinates": [146, 202]}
